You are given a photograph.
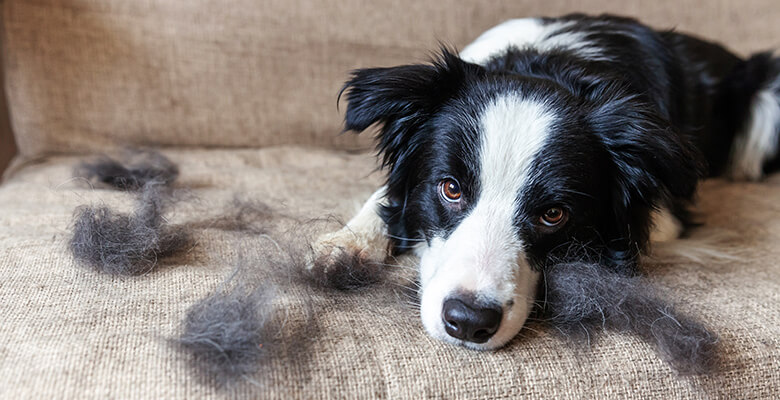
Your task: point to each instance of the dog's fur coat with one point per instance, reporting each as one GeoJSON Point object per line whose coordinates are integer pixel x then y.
{"type": "Point", "coordinates": [544, 142]}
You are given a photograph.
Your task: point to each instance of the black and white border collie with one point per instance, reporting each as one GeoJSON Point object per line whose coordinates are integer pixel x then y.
{"type": "Point", "coordinates": [548, 140]}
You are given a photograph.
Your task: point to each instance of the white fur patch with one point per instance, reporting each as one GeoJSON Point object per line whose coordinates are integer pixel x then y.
{"type": "Point", "coordinates": [757, 142]}
{"type": "Point", "coordinates": [484, 254]}
{"type": "Point", "coordinates": [529, 33]}
{"type": "Point", "coordinates": [666, 227]}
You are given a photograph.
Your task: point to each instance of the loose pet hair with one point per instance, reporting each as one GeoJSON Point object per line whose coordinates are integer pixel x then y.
{"type": "Point", "coordinates": [580, 299]}
{"type": "Point", "coordinates": [543, 135]}
{"type": "Point", "coordinates": [132, 173]}
{"type": "Point", "coordinates": [234, 332]}
{"type": "Point", "coordinates": [229, 332]}
{"type": "Point", "coordinates": [127, 243]}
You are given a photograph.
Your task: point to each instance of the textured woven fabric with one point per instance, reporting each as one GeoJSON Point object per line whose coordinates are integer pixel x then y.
{"type": "Point", "coordinates": [86, 74]}
{"type": "Point", "coordinates": [69, 332]}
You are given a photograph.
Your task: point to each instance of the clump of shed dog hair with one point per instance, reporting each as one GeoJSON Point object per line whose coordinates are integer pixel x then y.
{"type": "Point", "coordinates": [326, 267]}
{"type": "Point", "coordinates": [136, 169]}
{"type": "Point", "coordinates": [127, 243]}
{"type": "Point", "coordinates": [337, 268]}
{"type": "Point", "coordinates": [343, 270]}
{"type": "Point", "coordinates": [228, 333]}
{"type": "Point", "coordinates": [231, 334]}
{"type": "Point", "coordinates": [581, 298]}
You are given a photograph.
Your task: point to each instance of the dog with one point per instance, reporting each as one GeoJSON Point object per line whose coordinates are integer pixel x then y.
{"type": "Point", "coordinates": [547, 140]}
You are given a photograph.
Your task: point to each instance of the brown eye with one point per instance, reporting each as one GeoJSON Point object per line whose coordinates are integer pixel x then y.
{"type": "Point", "coordinates": [553, 216]}
{"type": "Point", "coordinates": [450, 190]}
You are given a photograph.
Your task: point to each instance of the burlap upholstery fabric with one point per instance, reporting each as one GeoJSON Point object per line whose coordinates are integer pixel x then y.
{"type": "Point", "coordinates": [86, 74]}
{"type": "Point", "coordinates": [69, 332]}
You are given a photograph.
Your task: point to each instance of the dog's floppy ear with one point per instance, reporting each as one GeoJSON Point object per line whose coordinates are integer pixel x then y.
{"type": "Point", "coordinates": [402, 99]}
{"type": "Point", "coordinates": [651, 165]}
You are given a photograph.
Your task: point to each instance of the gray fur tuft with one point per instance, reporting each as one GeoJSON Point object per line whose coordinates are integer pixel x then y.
{"type": "Point", "coordinates": [139, 169]}
{"type": "Point", "coordinates": [228, 333]}
{"type": "Point", "coordinates": [345, 272]}
{"type": "Point", "coordinates": [126, 244]}
{"type": "Point", "coordinates": [583, 298]}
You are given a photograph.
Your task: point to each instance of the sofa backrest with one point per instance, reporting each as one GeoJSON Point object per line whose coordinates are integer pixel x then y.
{"type": "Point", "coordinates": [83, 75]}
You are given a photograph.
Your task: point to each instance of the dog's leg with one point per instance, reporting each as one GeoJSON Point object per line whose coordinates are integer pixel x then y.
{"type": "Point", "coordinates": [364, 237]}
{"type": "Point", "coordinates": [666, 227]}
{"type": "Point", "coordinates": [756, 146]}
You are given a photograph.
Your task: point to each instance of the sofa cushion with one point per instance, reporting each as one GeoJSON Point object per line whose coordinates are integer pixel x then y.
{"type": "Point", "coordinates": [69, 332]}
{"type": "Point", "coordinates": [87, 74]}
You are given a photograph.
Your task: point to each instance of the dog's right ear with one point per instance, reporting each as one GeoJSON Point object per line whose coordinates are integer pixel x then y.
{"type": "Point", "coordinates": [403, 99]}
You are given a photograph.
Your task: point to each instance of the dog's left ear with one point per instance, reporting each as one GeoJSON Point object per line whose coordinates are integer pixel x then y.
{"type": "Point", "coordinates": [402, 99]}
{"type": "Point", "coordinates": [652, 165]}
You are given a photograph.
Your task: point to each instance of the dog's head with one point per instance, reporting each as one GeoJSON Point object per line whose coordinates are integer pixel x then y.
{"type": "Point", "coordinates": [501, 174]}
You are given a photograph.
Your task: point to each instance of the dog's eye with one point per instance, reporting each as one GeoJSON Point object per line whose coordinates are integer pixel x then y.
{"type": "Point", "coordinates": [450, 190]}
{"type": "Point", "coordinates": [553, 216]}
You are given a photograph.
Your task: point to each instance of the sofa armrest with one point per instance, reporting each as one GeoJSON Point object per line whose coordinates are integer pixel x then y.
{"type": "Point", "coordinates": [7, 143]}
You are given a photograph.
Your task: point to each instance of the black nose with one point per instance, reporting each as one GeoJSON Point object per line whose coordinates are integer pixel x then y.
{"type": "Point", "coordinates": [466, 321]}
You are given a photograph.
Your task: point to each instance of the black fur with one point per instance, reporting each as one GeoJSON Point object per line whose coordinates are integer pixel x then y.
{"type": "Point", "coordinates": [637, 125]}
{"type": "Point", "coordinates": [731, 106]}
{"type": "Point", "coordinates": [640, 162]}
{"type": "Point", "coordinates": [646, 131]}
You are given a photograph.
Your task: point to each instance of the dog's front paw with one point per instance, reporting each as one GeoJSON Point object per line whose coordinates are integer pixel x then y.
{"type": "Point", "coordinates": [346, 260]}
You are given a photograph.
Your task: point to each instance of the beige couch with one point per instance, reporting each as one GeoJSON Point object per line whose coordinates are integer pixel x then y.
{"type": "Point", "coordinates": [242, 94]}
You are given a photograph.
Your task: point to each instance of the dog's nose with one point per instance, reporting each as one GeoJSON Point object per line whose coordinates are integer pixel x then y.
{"type": "Point", "coordinates": [466, 321]}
